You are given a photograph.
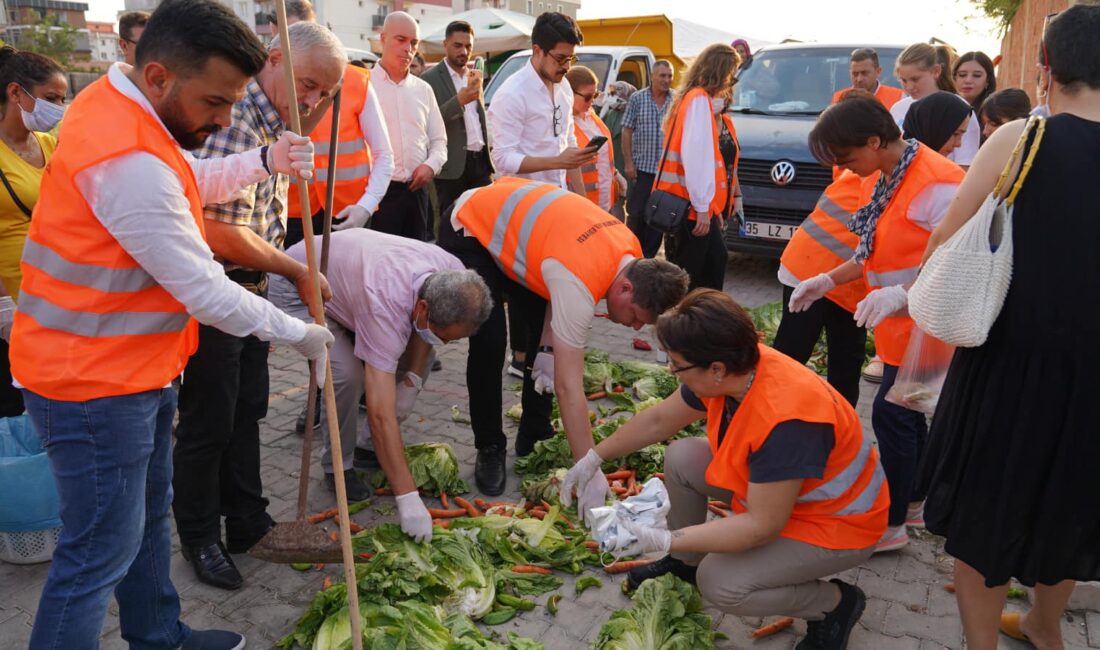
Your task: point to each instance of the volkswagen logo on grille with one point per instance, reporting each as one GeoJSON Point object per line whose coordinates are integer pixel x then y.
{"type": "Point", "coordinates": [783, 173]}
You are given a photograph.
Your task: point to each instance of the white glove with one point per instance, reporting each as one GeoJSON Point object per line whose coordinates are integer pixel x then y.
{"type": "Point", "coordinates": [415, 520]}
{"type": "Point", "coordinates": [354, 216]}
{"type": "Point", "coordinates": [542, 372]}
{"type": "Point", "coordinates": [810, 291]}
{"type": "Point", "coordinates": [407, 391]}
{"type": "Point", "coordinates": [649, 540]}
{"type": "Point", "coordinates": [881, 303]}
{"type": "Point", "coordinates": [7, 313]}
{"type": "Point", "coordinates": [292, 155]}
{"type": "Point", "coordinates": [314, 346]}
{"type": "Point", "coordinates": [591, 485]}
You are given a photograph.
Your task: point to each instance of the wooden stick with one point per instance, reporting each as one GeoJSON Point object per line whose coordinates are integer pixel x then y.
{"type": "Point", "coordinates": [330, 188]}
{"type": "Point", "coordinates": [318, 310]}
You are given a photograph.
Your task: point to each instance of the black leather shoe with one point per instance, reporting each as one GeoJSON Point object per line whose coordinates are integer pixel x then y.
{"type": "Point", "coordinates": [213, 566]}
{"type": "Point", "coordinates": [667, 564]}
{"type": "Point", "coordinates": [365, 459]}
{"type": "Point", "coordinates": [831, 633]}
{"type": "Point", "coordinates": [356, 487]}
{"type": "Point", "coordinates": [489, 471]}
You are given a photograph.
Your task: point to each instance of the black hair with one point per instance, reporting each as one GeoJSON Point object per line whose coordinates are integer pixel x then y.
{"type": "Point", "coordinates": [1006, 105]}
{"type": "Point", "coordinates": [990, 74]}
{"type": "Point", "coordinates": [183, 35]}
{"type": "Point", "coordinates": [458, 26]}
{"type": "Point", "coordinates": [128, 21]}
{"type": "Point", "coordinates": [552, 28]}
{"type": "Point", "coordinates": [28, 69]}
{"type": "Point", "coordinates": [1072, 49]}
{"type": "Point", "coordinates": [850, 123]}
{"type": "Point", "coordinates": [865, 53]}
{"type": "Point", "coordinates": [709, 326]}
{"type": "Point", "coordinates": [933, 120]}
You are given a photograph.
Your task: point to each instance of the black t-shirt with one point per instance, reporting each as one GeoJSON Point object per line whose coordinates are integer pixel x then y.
{"type": "Point", "coordinates": [794, 448]}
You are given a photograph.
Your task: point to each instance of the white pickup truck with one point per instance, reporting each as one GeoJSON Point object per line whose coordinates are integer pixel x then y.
{"type": "Point", "coordinates": [629, 64]}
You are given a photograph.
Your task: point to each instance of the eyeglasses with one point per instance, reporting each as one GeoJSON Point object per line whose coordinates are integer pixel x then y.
{"type": "Point", "coordinates": [676, 370]}
{"type": "Point", "coordinates": [557, 120]}
{"type": "Point", "coordinates": [563, 59]}
{"type": "Point", "coordinates": [591, 96]}
{"type": "Point", "coordinates": [128, 40]}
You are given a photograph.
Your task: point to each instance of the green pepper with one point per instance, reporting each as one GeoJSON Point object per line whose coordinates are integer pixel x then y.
{"type": "Point", "coordinates": [552, 604]}
{"type": "Point", "coordinates": [585, 582]}
{"type": "Point", "coordinates": [301, 566]}
{"type": "Point", "coordinates": [508, 600]}
{"type": "Point", "coordinates": [502, 615]}
{"type": "Point", "coordinates": [1016, 592]}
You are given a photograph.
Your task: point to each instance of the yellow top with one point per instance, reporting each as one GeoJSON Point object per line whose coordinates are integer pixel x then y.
{"type": "Point", "coordinates": [24, 179]}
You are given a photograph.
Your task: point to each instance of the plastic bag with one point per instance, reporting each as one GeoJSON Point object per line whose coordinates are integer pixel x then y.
{"type": "Point", "coordinates": [921, 374]}
{"type": "Point", "coordinates": [648, 508]}
{"type": "Point", "coordinates": [30, 499]}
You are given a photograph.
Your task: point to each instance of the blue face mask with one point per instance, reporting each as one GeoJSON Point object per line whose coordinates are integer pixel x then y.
{"type": "Point", "coordinates": [427, 335]}
{"type": "Point", "coordinates": [45, 115]}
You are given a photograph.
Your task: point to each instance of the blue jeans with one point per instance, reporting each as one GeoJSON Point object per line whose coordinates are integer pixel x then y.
{"type": "Point", "coordinates": [112, 461]}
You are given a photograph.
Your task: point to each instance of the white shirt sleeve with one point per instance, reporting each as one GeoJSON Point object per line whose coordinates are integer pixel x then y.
{"type": "Point", "coordinates": [572, 307]}
{"type": "Point", "coordinates": [221, 179]}
{"type": "Point", "coordinates": [900, 109]}
{"type": "Point", "coordinates": [156, 228]}
{"type": "Point", "coordinates": [377, 136]}
{"type": "Point", "coordinates": [929, 207]}
{"type": "Point", "coordinates": [697, 151]}
{"type": "Point", "coordinates": [505, 124]}
{"type": "Point", "coordinates": [971, 140]}
{"type": "Point", "coordinates": [437, 133]}
{"type": "Point", "coordinates": [570, 131]}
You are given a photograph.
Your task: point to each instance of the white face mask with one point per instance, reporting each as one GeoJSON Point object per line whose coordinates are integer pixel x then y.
{"type": "Point", "coordinates": [1042, 109]}
{"type": "Point", "coordinates": [427, 335]}
{"type": "Point", "coordinates": [45, 115]}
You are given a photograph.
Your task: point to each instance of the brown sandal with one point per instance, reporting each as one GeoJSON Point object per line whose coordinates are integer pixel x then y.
{"type": "Point", "coordinates": [1010, 626]}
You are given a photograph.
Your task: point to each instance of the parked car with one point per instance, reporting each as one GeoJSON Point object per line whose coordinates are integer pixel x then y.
{"type": "Point", "coordinates": [629, 64]}
{"type": "Point", "coordinates": [366, 56]}
{"type": "Point", "coordinates": [776, 101]}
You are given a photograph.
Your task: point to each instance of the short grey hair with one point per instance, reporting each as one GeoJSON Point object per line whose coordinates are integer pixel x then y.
{"type": "Point", "coordinates": [663, 62]}
{"type": "Point", "coordinates": [457, 297]}
{"type": "Point", "coordinates": [305, 37]}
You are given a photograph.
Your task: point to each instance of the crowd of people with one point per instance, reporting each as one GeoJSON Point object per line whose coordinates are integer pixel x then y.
{"type": "Point", "coordinates": [165, 256]}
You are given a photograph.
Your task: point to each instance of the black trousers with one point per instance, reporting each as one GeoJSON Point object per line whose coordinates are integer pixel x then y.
{"type": "Point", "coordinates": [485, 363]}
{"type": "Point", "coordinates": [635, 210]}
{"type": "Point", "coordinates": [799, 332]}
{"type": "Point", "coordinates": [901, 435]}
{"type": "Point", "coordinates": [216, 459]}
{"type": "Point", "coordinates": [703, 258]}
{"type": "Point", "coordinates": [476, 173]}
{"type": "Point", "coordinates": [11, 398]}
{"type": "Point", "coordinates": [404, 213]}
{"type": "Point", "coordinates": [294, 232]}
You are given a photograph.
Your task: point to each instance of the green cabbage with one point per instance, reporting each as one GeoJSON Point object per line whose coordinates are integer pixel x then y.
{"type": "Point", "coordinates": [599, 373]}
{"type": "Point", "coordinates": [546, 488]}
{"type": "Point", "coordinates": [667, 613]}
{"type": "Point", "coordinates": [434, 468]}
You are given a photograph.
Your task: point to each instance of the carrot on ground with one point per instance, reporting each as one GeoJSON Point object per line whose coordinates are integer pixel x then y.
{"type": "Point", "coordinates": [480, 503]}
{"type": "Point", "coordinates": [322, 516]}
{"type": "Point", "coordinates": [631, 484]}
{"type": "Point", "coordinates": [619, 475]}
{"type": "Point", "coordinates": [318, 566]}
{"type": "Point", "coordinates": [623, 567]}
{"type": "Point", "coordinates": [620, 491]}
{"type": "Point", "coordinates": [537, 513]}
{"type": "Point", "coordinates": [592, 545]}
{"type": "Point", "coordinates": [773, 628]}
{"type": "Point", "coordinates": [469, 507]}
{"type": "Point", "coordinates": [443, 500]}
{"type": "Point", "coordinates": [383, 492]}
{"type": "Point", "coordinates": [544, 504]}
{"type": "Point", "coordinates": [446, 514]}
{"type": "Point", "coordinates": [366, 556]}
{"type": "Point", "coordinates": [354, 527]}
{"type": "Point", "coordinates": [332, 535]}
{"type": "Point", "coordinates": [442, 523]}
{"type": "Point", "coordinates": [600, 394]}
{"type": "Point", "coordinates": [530, 568]}
{"type": "Point", "coordinates": [950, 587]}
{"type": "Point", "coordinates": [327, 583]}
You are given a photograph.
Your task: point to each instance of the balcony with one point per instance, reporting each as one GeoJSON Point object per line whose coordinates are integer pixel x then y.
{"type": "Point", "coordinates": [376, 21]}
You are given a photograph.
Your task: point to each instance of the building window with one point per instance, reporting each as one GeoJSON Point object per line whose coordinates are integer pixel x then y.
{"type": "Point", "coordinates": [559, 9]}
{"type": "Point", "coordinates": [530, 6]}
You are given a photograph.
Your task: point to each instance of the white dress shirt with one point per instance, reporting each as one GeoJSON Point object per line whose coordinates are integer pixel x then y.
{"type": "Point", "coordinates": [474, 141]}
{"type": "Point", "coordinates": [417, 133]}
{"type": "Point", "coordinates": [373, 128]}
{"type": "Point", "coordinates": [156, 227]}
{"type": "Point", "coordinates": [521, 124]}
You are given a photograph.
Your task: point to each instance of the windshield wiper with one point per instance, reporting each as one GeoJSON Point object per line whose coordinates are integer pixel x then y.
{"type": "Point", "coordinates": [749, 111]}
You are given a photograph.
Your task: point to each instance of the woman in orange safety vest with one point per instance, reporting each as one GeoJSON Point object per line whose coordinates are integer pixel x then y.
{"type": "Point", "coordinates": [916, 184]}
{"type": "Point", "coordinates": [700, 165]}
{"type": "Point", "coordinates": [783, 451]}
{"type": "Point", "coordinates": [603, 185]}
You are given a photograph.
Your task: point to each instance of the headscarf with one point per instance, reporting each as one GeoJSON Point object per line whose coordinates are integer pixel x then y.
{"type": "Point", "coordinates": [933, 120]}
{"type": "Point", "coordinates": [865, 220]}
{"type": "Point", "coordinates": [620, 94]}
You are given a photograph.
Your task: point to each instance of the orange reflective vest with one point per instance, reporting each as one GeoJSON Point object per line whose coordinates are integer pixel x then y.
{"type": "Point", "coordinates": [846, 508]}
{"type": "Point", "coordinates": [589, 171]}
{"type": "Point", "coordinates": [353, 159]}
{"type": "Point", "coordinates": [91, 322]}
{"type": "Point", "coordinates": [671, 176]}
{"type": "Point", "coordinates": [522, 223]}
{"type": "Point", "coordinates": [886, 95]}
{"type": "Point", "coordinates": [899, 245]}
{"type": "Point", "coordinates": [823, 241]}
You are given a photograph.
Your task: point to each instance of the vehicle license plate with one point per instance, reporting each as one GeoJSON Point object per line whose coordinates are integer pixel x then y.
{"type": "Point", "coordinates": [765, 230]}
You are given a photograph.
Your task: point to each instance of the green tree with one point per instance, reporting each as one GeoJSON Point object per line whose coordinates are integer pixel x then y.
{"type": "Point", "coordinates": [50, 37]}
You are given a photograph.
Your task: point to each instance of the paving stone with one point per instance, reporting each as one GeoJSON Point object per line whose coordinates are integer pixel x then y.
{"type": "Point", "coordinates": [863, 638]}
{"type": "Point", "coordinates": [910, 594]}
{"type": "Point", "coordinates": [1092, 620]}
{"type": "Point", "coordinates": [15, 632]}
{"type": "Point", "coordinates": [900, 620]}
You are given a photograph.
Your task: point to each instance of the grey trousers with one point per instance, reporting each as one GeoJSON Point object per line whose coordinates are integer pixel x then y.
{"type": "Point", "coordinates": [782, 578]}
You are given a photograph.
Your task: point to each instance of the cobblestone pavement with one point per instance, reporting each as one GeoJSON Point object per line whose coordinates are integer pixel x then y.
{"type": "Point", "coordinates": [908, 607]}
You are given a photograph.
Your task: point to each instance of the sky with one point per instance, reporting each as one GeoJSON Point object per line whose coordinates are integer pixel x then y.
{"type": "Point", "coordinates": [878, 21]}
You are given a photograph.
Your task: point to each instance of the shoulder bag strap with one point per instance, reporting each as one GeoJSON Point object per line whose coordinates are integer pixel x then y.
{"type": "Point", "coordinates": [14, 197]}
{"type": "Point", "coordinates": [1003, 181]}
{"type": "Point", "coordinates": [1026, 167]}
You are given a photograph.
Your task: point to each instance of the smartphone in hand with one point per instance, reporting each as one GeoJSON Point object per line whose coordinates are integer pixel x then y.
{"type": "Point", "coordinates": [597, 142]}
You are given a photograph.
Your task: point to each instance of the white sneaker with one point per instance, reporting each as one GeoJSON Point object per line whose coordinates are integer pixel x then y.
{"type": "Point", "coordinates": [914, 518]}
{"type": "Point", "coordinates": [895, 537]}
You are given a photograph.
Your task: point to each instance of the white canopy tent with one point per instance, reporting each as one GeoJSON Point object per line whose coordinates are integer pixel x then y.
{"type": "Point", "coordinates": [495, 30]}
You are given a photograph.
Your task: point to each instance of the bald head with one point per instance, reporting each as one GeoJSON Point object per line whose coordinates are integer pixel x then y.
{"type": "Point", "coordinates": [400, 40]}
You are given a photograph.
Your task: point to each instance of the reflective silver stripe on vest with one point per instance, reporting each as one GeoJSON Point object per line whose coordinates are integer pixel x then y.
{"type": "Point", "coordinates": [352, 173]}
{"type": "Point", "coordinates": [102, 278]}
{"type": "Point", "coordinates": [585, 169]}
{"type": "Point", "coordinates": [866, 499]}
{"type": "Point", "coordinates": [343, 147]}
{"type": "Point", "coordinates": [500, 226]}
{"type": "Point", "coordinates": [591, 187]}
{"type": "Point", "coordinates": [84, 323]}
{"type": "Point", "coordinates": [829, 207]}
{"type": "Point", "coordinates": [519, 266]}
{"type": "Point", "coordinates": [891, 278]}
{"type": "Point", "coordinates": [669, 177]}
{"type": "Point", "coordinates": [827, 239]}
{"type": "Point", "coordinates": [844, 480]}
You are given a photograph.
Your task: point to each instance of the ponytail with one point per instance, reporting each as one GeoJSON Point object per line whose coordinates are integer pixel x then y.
{"type": "Point", "coordinates": [28, 69]}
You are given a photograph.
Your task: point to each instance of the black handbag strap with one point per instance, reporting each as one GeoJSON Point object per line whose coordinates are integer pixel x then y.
{"type": "Point", "coordinates": [14, 197]}
{"type": "Point", "coordinates": [664, 156]}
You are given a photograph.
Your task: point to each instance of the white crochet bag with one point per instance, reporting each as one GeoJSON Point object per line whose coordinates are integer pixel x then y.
{"type": "Point", "coordinates": [962, 286]}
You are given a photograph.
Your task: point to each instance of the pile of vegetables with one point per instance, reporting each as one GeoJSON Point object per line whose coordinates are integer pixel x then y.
{"type": "Point", "coordinates": [767, 317]}
{"type": "Point", "coordinates": [434, 468]}
{"type": "Point", "coordinates": [667, 613]}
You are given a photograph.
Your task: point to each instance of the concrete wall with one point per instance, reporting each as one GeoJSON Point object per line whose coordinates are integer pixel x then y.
{"type": "Point", "coordinates": [1020, 46]}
